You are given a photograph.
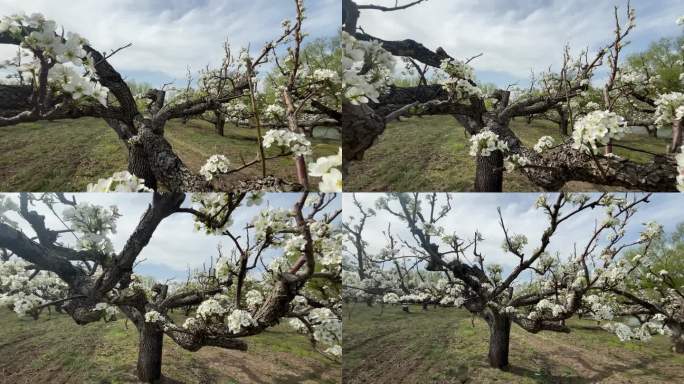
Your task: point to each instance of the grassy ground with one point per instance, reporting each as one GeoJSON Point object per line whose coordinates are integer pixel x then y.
{"type": "Point", "coordinates": [444, 346]}
{"type": "Point", "coordinates": [56, 350]}
{"type": "Point", "coordinates": [431, 154]}
{"type": "Point", "coordinates": [67, 155]}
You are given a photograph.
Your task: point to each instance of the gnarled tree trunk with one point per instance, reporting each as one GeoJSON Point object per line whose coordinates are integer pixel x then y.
{"type": "Point", "coordinates": [677, 337]}
{"type": "Point", "coordinates": [139, 166]}
{"type": "Point", "coordinates": [220, 122]}
{"type": "Point", "coordinates": [361, 126]}
{"type": "Point", "coordinates": [489, 173]}
{"type": "Point", "coordinates": [677, 132]}
{"type": "Point", "coordinates": [150, 353]}
{"type": "Point", "coordinates": [499, 338]}
{"type": "Point", "coordinates": [564, 122]}
{"type": "Point", "coordinates": [678, 344]}
{"type": "Point", "coordinates": [302, 173]}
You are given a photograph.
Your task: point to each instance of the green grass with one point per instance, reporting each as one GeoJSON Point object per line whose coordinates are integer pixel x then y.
{"type": "Point", "coordinates": [53, 349]}
{"type": "Point", "coordinates": [58, 156]}
{"type": "Point", "coordinates": [444, 345]}
{"type": "Point", "coordinates": [67, 155]}
{"type": "Point", "coordinates": [431, 154]}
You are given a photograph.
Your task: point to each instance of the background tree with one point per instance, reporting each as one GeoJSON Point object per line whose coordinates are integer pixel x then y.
{"type": "Point", "coordinates": [652, 291]}
{"type": "Point", "coordinates": [67, 78]}
{"type": "Point", "coordinates": [541, 291]}
{"type": "Point", "coordinates": [371, 102]}
{"type": "Point", "coordinates": [235, 299]}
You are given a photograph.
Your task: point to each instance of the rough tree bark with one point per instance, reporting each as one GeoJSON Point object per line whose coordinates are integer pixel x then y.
{"type": "Point", "coordinates": [139, 166]}
{"type": "Point", "coordinates": [499, 338]}
{"type": "Point", "coordinates": [564, 121]}
{"type": "Point", "coordinates": [677, 132]}
{"type": "Point", "coordinates": [302, 174]}
{"type": "Point", "coordinates": [150, 347]}
{"type": "Point", "coordinates": [489, 173]}
{"type": "Point", "coordinates": [677, 337]}
{"type": "Point", "coordinates": [361, 127]}
{"type": "Point", "coordinates": [220, 122]}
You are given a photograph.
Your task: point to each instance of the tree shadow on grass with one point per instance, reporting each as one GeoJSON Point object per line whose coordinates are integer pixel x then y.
{"type": "Point", "coordinates": [169, 380]}
{"type": "Point", "coordinates": [316, 374]}
{"type": "Point", "coordinates": [598, 373]}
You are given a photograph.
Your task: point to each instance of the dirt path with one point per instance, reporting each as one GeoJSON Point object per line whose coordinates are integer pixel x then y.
{"type": "Point", "coordinates": [598, 365]}
{"type": "Point", "coordinates": [398, 353]}
{"type": "Point", "coordinates": [264, 367]}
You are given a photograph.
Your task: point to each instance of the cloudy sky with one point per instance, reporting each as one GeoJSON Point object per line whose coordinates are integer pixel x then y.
{"type": "Point", "coordinates": [473, 212]}
{"type": "Point", "coordinates": [175, 246]}
{"type": "Point", "coordinates": [516, 36]}
{"type": "Point", "coordinates": [170, 35]}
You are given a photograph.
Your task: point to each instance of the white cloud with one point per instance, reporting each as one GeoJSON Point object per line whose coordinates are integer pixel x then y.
{"type": "Point", "coordinates": [169, 36]}
{"type": "Point", "coordinates": [175, 245]}
{"type": "Point", "coordinates": [519, 35]}
{"type": "Point", "coordinates": [473, 212]}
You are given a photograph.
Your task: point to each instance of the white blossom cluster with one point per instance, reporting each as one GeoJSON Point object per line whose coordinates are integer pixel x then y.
{"type": "Point", "coordinates": [600, 307]}
{"type": "Point", "coordinates": [239, 319]}
{"type": "Point", "coordinates": [327, 329]}
{"type": "Point", "coordinates": [272, 221]}
{"type": "Point", "coordinates": [119, 182]}
{"type": "Point", "coordinates": [544, 143]}
{"type": "Point", "coordinates": [93, 224]}
{"type": "Point", "coordinates": [218, 309]}
{"type": "Point", "coordinates": [254, 298]}
{"type": "Point", "coordinates": [360, 88]}
{"type": "Point", "coordinates": [643, 332]}
{"type": "Point", "coordinates": [325, 168]}
{"type": "Point", "coordinates": [215, 165]}
{"type": "Point", "coordinates": [547, 305]}
{"type": "Point", "coordinates": [638, 80]}
{"type": "Point", "coordinates": [330, 249]}
{"type": "Point", "coordinates": [596, 128]}
{"type": "Point", "coordinates": [78, 86]}
{"type": "Point", "coordinates": [7, 205]}
{"type": "Point", "coordinates": [210, 308]}
{"type": "Point", "coordinates": [67, 52]}
{"type": "Point", "coordinates": [280, 225]}
{"type": "Point", "coordinates": [274, 112]}
{"type": "Point", "coordinates": [420, 297]}
{"type": "Point", "coordinates": [24, 305]}
{"type": "Point", "coordinates": [109, 312]}
{"type": "Point", "coordinates": [295, 142]}
{"type": "Point", "coordinates": [224, 268]}
{"type": "Point", "coordinates": [235, 110]}
{"type": "Point", "coordinates": [190, 323]}
{"type": "Point", "coordinates": [669, 109]}
{"type": "Point", "coordinates": [153, 317]}
{"type": "Point", "coordinates": [592, 106]}
{"type": "Point", "coordinates": [460, 82]}
{"type": "Point", "coordinates": [485, 143]}
{"type": "Point", "coordinates": [517, 242]}
{"type": "Point", "coordinates": [325, 75]}
{"type": "Point", "coordinates": [652, 231]}
{"type": "Point", "coordinates": [23, 292]}
{"type": "Point", "coordinates": [294, 246]}
{"type": "Point", "coordinates": [515, 161]}
{"type": "Point", "coordinates": [212, 205]}
{"type": "Point", "coordinates": [390, 298]}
